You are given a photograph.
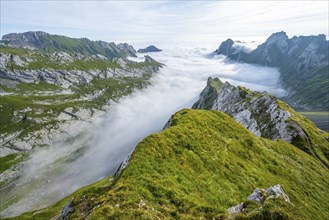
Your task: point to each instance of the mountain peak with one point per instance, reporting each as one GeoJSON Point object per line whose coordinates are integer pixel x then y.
{"type": "Point", "coordinates": [225, 47]}
{"type": "Point", "coordinates": [278, 36]}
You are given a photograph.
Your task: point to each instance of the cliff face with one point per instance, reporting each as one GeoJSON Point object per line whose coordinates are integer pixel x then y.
{"type": "Point", "coordinates": [266, 116]}
{"type": "Point", "coordinates": [258, 112]}
{"type": "Point", "coordinates": [65, 70]}
{"type": "Point", "coordinates": [209, 94]}
{"type": "Point", "coordinates": [302, 61]}
{"type": "Point", "coordinates": [46, 97]}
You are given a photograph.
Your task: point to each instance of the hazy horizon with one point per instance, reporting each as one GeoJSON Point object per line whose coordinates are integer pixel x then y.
{"type": "Point", "coordinates": [143, 22]}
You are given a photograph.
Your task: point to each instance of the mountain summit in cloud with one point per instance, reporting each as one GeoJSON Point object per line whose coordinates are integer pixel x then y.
{"type": "Point", "coordinates": [302, 61]}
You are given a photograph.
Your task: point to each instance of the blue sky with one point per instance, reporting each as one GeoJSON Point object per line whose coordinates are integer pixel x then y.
{"type": "Point", "coordinates": [166, 21]}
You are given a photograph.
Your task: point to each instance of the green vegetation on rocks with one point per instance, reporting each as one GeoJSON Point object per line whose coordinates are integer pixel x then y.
{"type": "Point", "coordinates": [202, 164]}
{"type": "Point", "coordinates": [57, 43]}
{"type": "Point", "coordinates": [266, 116]}
{"type": "Point", "coordinates": [209, 94]}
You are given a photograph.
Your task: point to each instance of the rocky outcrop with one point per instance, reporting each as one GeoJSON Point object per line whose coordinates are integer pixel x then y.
{"type": "Point", "coordinates": [149, 49]}
{"type": "Point", "coordinates": [302, 61]}
{"type": "Point", "coordinates": [62, 68]}
{"type": "Point", "coordinates": [260, 196]}
{"type": "Point", "coordinates": [266, 116]}
{"type": "Point", "coordinates": [123, 165]}
{"type": "Point", "coordinates": [76, 78]}
{"type": "Point", "coordinates": [209, 94]}
{"type": "Point", "coordinates": [38, 40]}
{"type": "Point", "coordinates": [67, 210]}
{"type": "Point", "coordinates": [68, 124]}
{"type": "Point", "coordinates": [258, 112]}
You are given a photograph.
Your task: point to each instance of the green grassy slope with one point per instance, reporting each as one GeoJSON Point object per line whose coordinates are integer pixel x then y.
{"type": "Point", "coordinates": [204, 163]}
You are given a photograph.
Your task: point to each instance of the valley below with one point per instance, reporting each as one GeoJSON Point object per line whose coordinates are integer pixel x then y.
{"type": "Point", "coordinates": [164, 110]}
{"type": "Point", "coordinates": [51, 173]}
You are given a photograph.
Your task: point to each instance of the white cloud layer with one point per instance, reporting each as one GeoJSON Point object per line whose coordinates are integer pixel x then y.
{"type": "Point", "coordinates": [166, 21]}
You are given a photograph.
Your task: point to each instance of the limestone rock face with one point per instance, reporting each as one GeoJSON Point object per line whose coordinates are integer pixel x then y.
{"type": "Point", "coordinates": [258, 112]}
{"type": "Point", "coordinates": [209, 94]}
{"type": "Point", "coordinates": [63, 76]}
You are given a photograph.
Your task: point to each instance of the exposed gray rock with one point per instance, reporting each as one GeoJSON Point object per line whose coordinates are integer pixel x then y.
{"type": "Point", "coordinates": [260, 196]}
{"type": "Point", "coordinates": [236, 209]}
{"type": "Point", "coordinates": [69, 124]}
{"type": "Point", "coordinates": [209, 94]}
{"type": "Point", "coordinates": [276, 191]}
{"type": "Point", "coordinates": [68, 208]}
{"type": "Point", "coordinates": [257, 196]}
{"type": "Point", "coordinates": [123, 165]}
{"type": "Point", "coordinates": [258, 112]}
{"type": "Point", "coordinates": [302, 61]}
{"type": "Point", "coordinates": [67, 78]}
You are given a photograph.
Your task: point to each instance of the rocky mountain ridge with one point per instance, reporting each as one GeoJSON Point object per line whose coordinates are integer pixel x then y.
{"type": "Point", "coordinates": [65, 70]}
{"type": "Point", "coordinates": [263, 114]}
{"type": "Point", "coordinates": [202, 164]}
{"type": "Point", "coordinates": [48, 97]}
{"type": "Point", "coordinates": [38, 40]}
{"type": "Point", "coordinates": [303, 63]}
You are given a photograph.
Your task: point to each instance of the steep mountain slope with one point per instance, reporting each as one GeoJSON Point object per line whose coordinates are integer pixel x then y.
{"type": "Point", "coordinates": [303, 62]}
{"type": "Point", "coordinates": [209, 94]}
{"type": "Point", "coordinates": [39, 40]}
{"type": "Point", "coordinates": [266, 116]}
{"type": "Point", "coordinates": [202, 164]}
{"type": "Point", "coordinates": [50, 97]}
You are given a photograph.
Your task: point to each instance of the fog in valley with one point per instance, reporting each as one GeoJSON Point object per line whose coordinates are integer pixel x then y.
{"type": "Point", "coordinates": [56, 171]}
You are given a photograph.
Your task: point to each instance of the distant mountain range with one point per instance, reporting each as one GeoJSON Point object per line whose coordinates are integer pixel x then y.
{"type": "Point", "coordinates": [302, 61]}
{"type": "Point", "coordinates": [57, 43]}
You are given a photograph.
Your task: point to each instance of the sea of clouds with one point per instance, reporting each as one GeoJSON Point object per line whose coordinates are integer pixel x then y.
{"type": "Point", "coordinates": [56, 171]}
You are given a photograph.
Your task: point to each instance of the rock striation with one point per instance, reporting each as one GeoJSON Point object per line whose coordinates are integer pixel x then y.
{"type": "Point", "coordinates": [66, 69]}
{"type": "Point", "coordinates": [258, 112]}
{"type": "Point", "coordinates": [264, 115]}
{"type": "Point", "coordinates": [72, 78]}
